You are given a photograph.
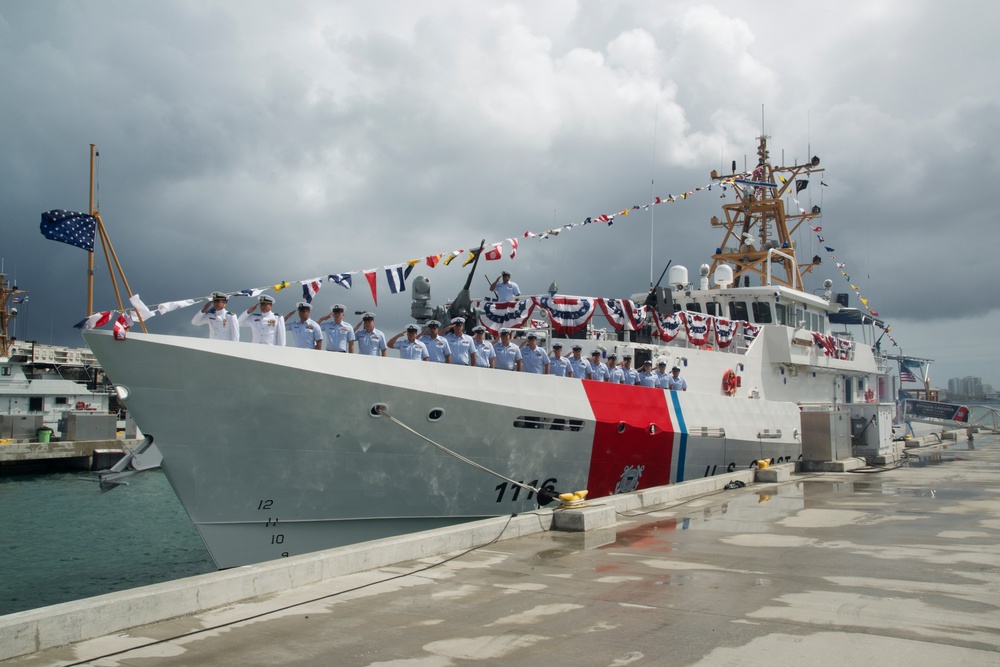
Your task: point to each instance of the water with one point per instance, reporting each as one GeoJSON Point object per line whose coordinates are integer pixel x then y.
{"type": "Point", "coordinates": [62, 539]}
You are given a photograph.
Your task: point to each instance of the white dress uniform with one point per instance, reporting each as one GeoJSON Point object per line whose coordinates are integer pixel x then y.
{"type": "Point", "coordinates": [304, 334]}
{"type": "Point", "coordinates": [371, 343]}
{"type": "Point", "coordinates": [415, 350]}
{"type": "Point", "coordinates": [484, 353]}
{"type": "Point", "coordinates": [337, 335]}
{"type": "Point", "coordinates": [534, 361]}
{"type": "Point", "coordinates": [437, 348]}
{"type": "Point", "coordinates": [267, 328]}
{"type": "Point", "coordinates": [560, 367]}
{"type": "Point", "coordinates": [507, 356]}
{"type": "Point", "coordinates": [462, 348]}
{"type": "Point", "coordinates": [221, 325]}
{"type": "Point", "coordinates": [507, 291]}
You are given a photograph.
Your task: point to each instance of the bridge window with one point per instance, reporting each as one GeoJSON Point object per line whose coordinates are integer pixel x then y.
{"type": "Point", "coordinates": [738, 310]}
{"type": "Point", "coordinates": [694, 307]}
{"type": "Point", "coordinates": [762, 312]}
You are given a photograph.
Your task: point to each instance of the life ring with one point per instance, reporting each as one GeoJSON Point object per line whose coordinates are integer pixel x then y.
{"type": "Point", "coordinates": [729, 382]}
{"type": "Point", "coordinates": [869, 396]}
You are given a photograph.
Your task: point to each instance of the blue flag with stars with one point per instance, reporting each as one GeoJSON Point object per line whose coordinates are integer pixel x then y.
{"type": "Point", "coordinates": [76, 229]}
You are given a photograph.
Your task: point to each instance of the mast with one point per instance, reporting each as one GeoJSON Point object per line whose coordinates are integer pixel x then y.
{"type": "Point", "coordinates": [6, 292]}
{"type": "Point", "coordinates": [90, 253]}
{"type": "Point", "coordinates": [757, 238]}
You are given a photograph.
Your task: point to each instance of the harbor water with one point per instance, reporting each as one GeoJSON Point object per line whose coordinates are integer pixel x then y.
{"type": "Point", "coordinates": [64, 539]}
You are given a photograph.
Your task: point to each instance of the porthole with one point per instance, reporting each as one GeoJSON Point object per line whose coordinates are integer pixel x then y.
{"type": "Point", "coordinates": [435, 414]}
{"type": "Point", "coordinates": [621, 427]}
{"type": "Point", "coordinates": [378, 410]}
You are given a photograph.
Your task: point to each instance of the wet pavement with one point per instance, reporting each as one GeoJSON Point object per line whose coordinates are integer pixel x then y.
{"type": "Point", "coordinates": [894, 567]}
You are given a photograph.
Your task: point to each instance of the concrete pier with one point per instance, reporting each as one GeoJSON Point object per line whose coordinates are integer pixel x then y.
{"type": "Point", "coordinates": [893, 565]}
{"type": "Point", "coordinates": [37, 457]}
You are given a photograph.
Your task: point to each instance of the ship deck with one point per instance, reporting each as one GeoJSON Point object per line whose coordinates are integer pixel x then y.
{"type": "Point", "coordinates": [897, 567]}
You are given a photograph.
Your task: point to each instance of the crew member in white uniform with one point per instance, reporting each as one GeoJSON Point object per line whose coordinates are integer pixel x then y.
{"type": "Point", "coordinates": [598, 369]}
{"type": "Point", "coordinates": [409, 347]}
{"type": "Point", "coordinates": [339, 335]}
{"type": "Point", "coordinates": [505, 289]}
{"type": "Point", "coordinates": [267, 326]}
{"type": "Point", "coordinates": [222, 324]}
{"type": "Point", "coordinates": [305, 332]}
{"type": "Point", "coordinates": [533, 358]}
{"type": "Point", "coordinates": [508, 355]}
{"type": "Point", "coordinates": [485, 356]}
{"type": "Point", "coordinates": [437, 346]}
{"type": "Point", "coordinates": [371, 341]}
{"type": "Point", "coordinates": [463, 347]}
{"type": "Point", "coordinates": [558, 364]}
{"type": "Point", "coordinates": [580, 366]}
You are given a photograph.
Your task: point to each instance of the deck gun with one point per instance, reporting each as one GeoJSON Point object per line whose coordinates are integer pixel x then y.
{"type": "Point", "coordinates": [660, 298]}
{"type": "Point", "coordinates": [461, 305]}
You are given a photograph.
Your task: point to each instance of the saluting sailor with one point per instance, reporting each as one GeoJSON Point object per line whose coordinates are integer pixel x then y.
{"type": "Point", "coordinates": [463, 348]}
{"type": "Point", "coordinates": [370, 340]}
{"type": "Point", "coordinates": [558, 364]}
{"type": "Point", "coordinates": [437, 346]}
{"type": "Point", "coordinates": [267, 326]}
{"type": "Point", "coordinates": [222, 324]}
{"type": "Point", "coordinates": [598, 369]}
{"type": "Point", "coordinates": [646, 376]}
{"type": "Point", "coordinates": [409, 347]}
{"type": "Point", "coordinates": [662, 376]}
{"type": "Point", "coordinates": [485, 356]}
{"type": "Point", "coordinates": [305, 332]}
{"type": "Point", "coordinates": [339, 335]}
{"type": "Point", "coordinates": [534, 359]}
{"type": "Point", "coordinates": [508, 355]}
{"type": "Point", "coordinates": [580, 366]}
{"type": "Point", "coordinates": [506, 290]}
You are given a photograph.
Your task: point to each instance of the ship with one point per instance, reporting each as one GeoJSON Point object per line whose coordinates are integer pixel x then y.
{"type": "Point", "coordinates": [277, 451]}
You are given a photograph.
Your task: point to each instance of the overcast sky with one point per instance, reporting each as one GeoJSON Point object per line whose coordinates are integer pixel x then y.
{"type": "Point", "coordinates": [244, 143]}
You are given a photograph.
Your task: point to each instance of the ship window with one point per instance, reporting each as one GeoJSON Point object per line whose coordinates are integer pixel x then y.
{"type": "Point", "coordinates": [548, 423]}
{"type": "Point", "coordinates": [36, 403]}
{"type": "Point", "coordinates": [780, 313]}
{"type": "Point", "coordinates": [738, 311]}
{"type": "Point", "coordinates": [61, 400]}
{"type": "Point", "coordinates": [6, 370]}
{"type": "Point", "coordinates": [762, 312]}
{"type": "Point", "coordinates": [712, 308]}
{"type": "Point", "coordinates": [694, 307]}
{"type": "Point", "coordinates": [815, 322]}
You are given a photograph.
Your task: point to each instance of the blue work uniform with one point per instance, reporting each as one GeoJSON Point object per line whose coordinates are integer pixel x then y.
{"type": "Point", "coordinates": [371, 343]}
{"type": "Point", "coordinates": [616, 375]}
{"type": "Point", "coordinates": [631, 376]}
{"type": "Point", "coordinates": [507, 356]}
{"type": "Point", "coordinates": [507, 291]}
{"type": "Point", "coordinates": [678, 383]}
{"type": "Point", "coordinates": [581, 368]}
{"type": "Point", "coordinates": [484, 353]}
{"type": "Point", "coordinates": [438, 348]}
{"type": "Point", "coordinates": [560, 367]}
{"type": "Point", "coordinates": [662, 379]}
{"type": "Point", "coordinates": [415, 350]}
{"type": "Point", "coordinates": [337, 335]}
{"type": "Point", "coordinates": [534, 361]}
{"type": "Point", "coordinates": [647, 379]}
{"type": "Point", "coordinates": [303, 334]}
{"type": "Point", "coordinates": [462, 348]}
{"type": "Point", "coordinates": [599, 371]}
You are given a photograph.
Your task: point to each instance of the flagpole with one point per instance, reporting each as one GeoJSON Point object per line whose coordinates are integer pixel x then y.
{"type": "Point", "coordinates": [90, 253]}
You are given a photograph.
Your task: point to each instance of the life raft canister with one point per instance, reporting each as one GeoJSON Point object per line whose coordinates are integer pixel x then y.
{"type": "Point", "coordinates": [729, 382]}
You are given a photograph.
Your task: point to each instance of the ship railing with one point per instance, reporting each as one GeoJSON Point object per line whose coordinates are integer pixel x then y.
{"type": "Point", "coordinates": [988, 419]}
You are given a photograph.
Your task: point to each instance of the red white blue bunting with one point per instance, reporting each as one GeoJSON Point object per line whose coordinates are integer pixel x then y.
{"type": "Point", "coordinates": [568, 314]}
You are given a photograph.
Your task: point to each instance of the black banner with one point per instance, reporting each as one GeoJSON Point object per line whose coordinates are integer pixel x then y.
{"type": "Point", "coordinates": [933, 410]}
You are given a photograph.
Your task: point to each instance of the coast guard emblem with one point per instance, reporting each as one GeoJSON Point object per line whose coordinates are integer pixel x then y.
{"type": "Point", "coordinates": [630, 479]}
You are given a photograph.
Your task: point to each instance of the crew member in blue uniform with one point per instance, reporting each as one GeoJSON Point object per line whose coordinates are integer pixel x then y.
{"type": "Point", "coordinates": [646, 376]}
{"type": "Point", "coordinates": [508, 355]}
{"type": "Point", "coordinates": [580, 366]}
{"type": "Point", "coordinates": [485, 356]}
{"type": "Point", "coordinates": [339, 335]}
{"type": "Point", "coordinates": [598, 369]}
{"type": "Point", "coordinates": [533, 358]}
{"type": "Point", "coordinates": [437, 346]}
{"type": "Point", "coordinates": [371, 341]}
{"type": "Point", "coordinates": [304, 331]}
{"type": "Point", "coordinates": [463, 348]}
{"type": "Point", "coordinates": [662, 376]}
{"type": "Point", "coordinates": [222, 324]}
{"type": "Point", "coordinates": [631, 375]}
{"type": "Point", "coordinates": [409, 347]}
{"type": "Point", "coordinates": [505, 289]}
{"type": "Point", "coordinates": [558, 364]}
{"type": "Point", "coordinates": [677, 383]}
{"type": "Point", "coordinates": [267, 326]}
{"type": "Point", "coordinates": [615, 374]}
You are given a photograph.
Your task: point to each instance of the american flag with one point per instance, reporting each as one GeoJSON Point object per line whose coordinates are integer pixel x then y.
{"type": "Point", "coordinates": [76, 229]}
{"type": "Point", "coordinates": [906, 375]}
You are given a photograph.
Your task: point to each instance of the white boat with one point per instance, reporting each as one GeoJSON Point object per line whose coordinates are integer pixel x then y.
{"type": "Point", "coordinates": [280, 451]}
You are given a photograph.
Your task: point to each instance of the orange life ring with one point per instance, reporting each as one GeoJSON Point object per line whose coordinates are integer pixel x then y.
{"type": "Point", "coordinates": [729, 382]}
